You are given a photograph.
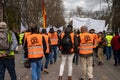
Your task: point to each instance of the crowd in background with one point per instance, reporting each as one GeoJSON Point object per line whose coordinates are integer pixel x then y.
{"type": "Point", "coordinates": [87, 46]}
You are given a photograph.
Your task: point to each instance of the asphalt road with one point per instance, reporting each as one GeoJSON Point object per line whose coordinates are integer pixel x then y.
{"type": "Point", "coordinates": [106, 72]}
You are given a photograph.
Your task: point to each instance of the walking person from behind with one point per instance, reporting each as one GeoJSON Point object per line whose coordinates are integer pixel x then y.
{"type": "Point", "coordinates": [101, 44]}
{"type": "Point", "coordinates": [8, 43]}
{"type": "Point", "coordinates": [116, 48]}
{"type": "Point", "coordinates": [86, 42]}
{"type": "Point", "coordinates": [76, 56]}
{"type": "Point", "coordinates": [36, 47]}
{"type": "Point", "coordinates": [54, 45]}
{"type": "Point", "coordinates": [48, 50]}
{"type": "Point", "coordinates": [108, 46]}
{"type": "Point", "coordinates": [67, 44]}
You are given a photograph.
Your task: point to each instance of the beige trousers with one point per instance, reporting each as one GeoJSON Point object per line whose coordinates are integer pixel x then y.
{"type": "Point", "coordinates": [87, 68]}
{"type": "Point", "coordinates": [100, 54]}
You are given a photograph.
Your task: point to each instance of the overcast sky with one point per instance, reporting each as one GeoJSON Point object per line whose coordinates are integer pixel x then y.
{"type": "Point", "coordinates": [86, 4]}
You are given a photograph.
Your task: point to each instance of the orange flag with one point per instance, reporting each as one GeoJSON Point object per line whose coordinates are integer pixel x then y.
{"type": "Point", "coordinates": [44, 14]}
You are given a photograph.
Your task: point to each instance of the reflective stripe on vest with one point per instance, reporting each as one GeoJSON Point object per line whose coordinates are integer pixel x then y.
{"type": "Point", "coordinates": [35, 46]}
{"type": "Point", "coordinates": [21, 35]}
{"type": "Point", "coordinates": [54, 39]}
{"type": "Point", "coordinates": [86, 44]}
{"type": "Point", "coordinates": [47, 43]}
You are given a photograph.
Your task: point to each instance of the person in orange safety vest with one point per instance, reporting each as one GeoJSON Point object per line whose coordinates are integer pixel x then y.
{"type": "Point", "coordinates": [95, 36]}
{"type": "Point", "coordinates": [86, 46]}
{"type": "Point", "coordinates": [54, 45]}
{"type": "Point", "coordinates": [48, 50]}
{"type": "Point", "coordinates": [36, 46]}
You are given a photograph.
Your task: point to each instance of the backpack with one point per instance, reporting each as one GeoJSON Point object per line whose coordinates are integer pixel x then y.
{"type": "Point", "coordinates": [4, 41]}
{"type": "Point", "coordinates": [66, 43]}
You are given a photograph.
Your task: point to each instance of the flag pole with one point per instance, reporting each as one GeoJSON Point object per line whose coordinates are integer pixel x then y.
{"type": "Point", "coordinates": [44, 14]}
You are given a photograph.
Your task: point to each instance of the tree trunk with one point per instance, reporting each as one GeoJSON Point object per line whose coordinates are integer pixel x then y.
{"type": "Point", "coordinates": [116, 15]}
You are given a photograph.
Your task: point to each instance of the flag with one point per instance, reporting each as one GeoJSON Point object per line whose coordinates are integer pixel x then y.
{"type": "Point", "coordinates": [44, 14]}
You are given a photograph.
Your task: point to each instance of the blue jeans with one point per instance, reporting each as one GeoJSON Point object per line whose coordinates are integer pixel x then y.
{"type": "Point", "coordinates": [36, 69]}
{"type": "Point", "coordinates": [10, 65]}
{"type": "Point", "coordinates": [47, 60]}
{"type": "Point", "coordinates": [108, 52]}
{"type": "Point", "coordinates": [53, 54]}
{"type": "Point", "coordinates": [116, 56]}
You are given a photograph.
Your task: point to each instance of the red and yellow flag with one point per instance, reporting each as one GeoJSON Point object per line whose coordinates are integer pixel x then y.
{"type": "Point", "coordinates": [44, 14]}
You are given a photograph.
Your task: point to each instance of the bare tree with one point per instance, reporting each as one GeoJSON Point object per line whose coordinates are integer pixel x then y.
{"type": "Point", "coordinates": [116, 15]}
{"type": "Point", "coordinates": [4, 3]}
{"type": "Point", "coordinates": [31, 10]}
{"type": "Point", "coordinates": [55, 10]}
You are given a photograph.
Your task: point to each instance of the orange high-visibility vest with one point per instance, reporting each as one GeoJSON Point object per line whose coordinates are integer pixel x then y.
{"type": "Point", "coordinates": [35, 46]}
{"type": "Point", "coordinates": [95, 37]}
{"type": "Point", "coordinates": [99, 39]}
{"type": "Point", "coordinates": [47, 43]}
{"type": "Point", "coordinates": [49, 34]}
{"type": "Point", "coordinates": [72, 38]}
{"type": "Point", "coordinates": [54, 38]}
{"type": "Point", "coordinates": [26, 34]}
{"type": "Point", "coordinates": [86, 44]}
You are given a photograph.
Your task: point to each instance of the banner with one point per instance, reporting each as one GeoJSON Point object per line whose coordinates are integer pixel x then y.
{"type": "Point", "coordinates": [98, 25]}
{"type": "Point", "coordinates": [78, 22]}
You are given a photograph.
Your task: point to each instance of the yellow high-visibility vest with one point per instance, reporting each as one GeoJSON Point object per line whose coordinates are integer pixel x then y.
{"type": "Point", "coordinates": [109, 38]}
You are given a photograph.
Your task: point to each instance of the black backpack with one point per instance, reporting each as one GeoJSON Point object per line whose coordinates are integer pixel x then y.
{"type": "Point", "coordinates": [66, 43]}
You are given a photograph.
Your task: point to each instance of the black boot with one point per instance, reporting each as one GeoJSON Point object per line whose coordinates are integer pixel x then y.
{"type": "Point", "coordinates": [69, 78]}
{"type": "Point", "coordinates": [60, 78]}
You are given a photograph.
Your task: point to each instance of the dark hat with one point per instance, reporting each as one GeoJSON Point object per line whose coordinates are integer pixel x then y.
{"type": "Point", "coordinates": [92, 29]}
{"type": "Point", "coordinates": [68, 30]}
{"type": "Point", "coordinates": [44, 31]}
{"type": "Point", "coordinates": [51, 30]}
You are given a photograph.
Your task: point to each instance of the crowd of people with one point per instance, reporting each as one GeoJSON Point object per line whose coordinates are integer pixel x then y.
{"type": "Point", "coordinates": [87, 46]}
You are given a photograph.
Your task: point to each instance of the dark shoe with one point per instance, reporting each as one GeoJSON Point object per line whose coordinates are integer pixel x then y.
{"type": "Point", "coordinates": [100, 63]}
{"type": "Point", "coordinates": [69, 78]}
{"type": "Point", "coordinates": [81, 79]}
{"type": "Point", "coordinates": [107, 58]}
{"type": "Point", "coordinates": [76, 63]}
{"type": "Point", "coordinates": [60, 78]}
{"type": "Point", "coordinates": [115, 64]}
{"type": "Point", "coordinates": [90, 79]}
{"type": "Point", "coordinates": [51, 62]}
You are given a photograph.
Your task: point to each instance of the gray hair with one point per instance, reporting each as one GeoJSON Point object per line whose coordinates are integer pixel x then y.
{"type": "Point", "coordinates": [84, 28]}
